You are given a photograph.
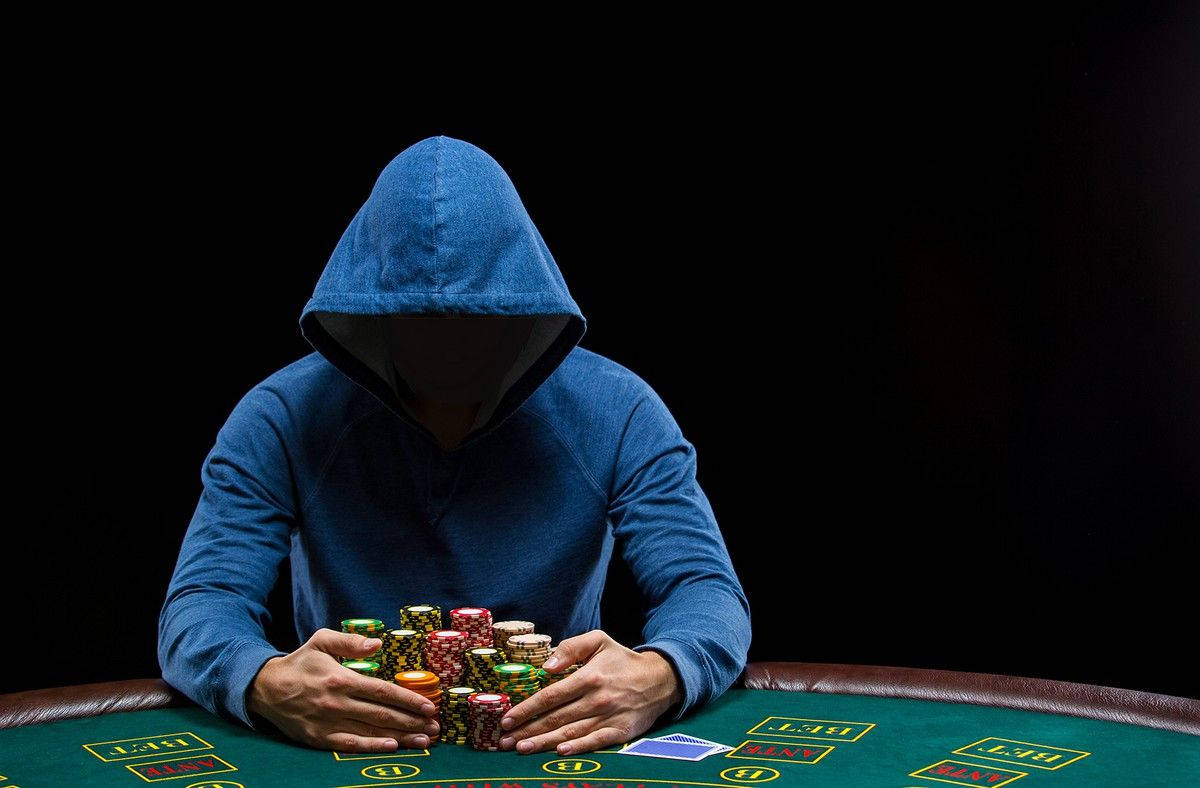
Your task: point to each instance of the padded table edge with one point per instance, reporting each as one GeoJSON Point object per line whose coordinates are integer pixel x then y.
{"type": "Point", "coordinates": [86, 700]}
{"type": "Point", "coordinates": [1113, 704]}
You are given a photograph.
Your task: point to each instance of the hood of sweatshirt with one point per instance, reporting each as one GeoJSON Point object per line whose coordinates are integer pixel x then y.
{"type": "Point", "coordinates": [443, 253]}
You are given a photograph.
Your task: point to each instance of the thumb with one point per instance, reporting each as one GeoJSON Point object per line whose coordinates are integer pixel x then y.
{"type": "Point", "coordinates": [578, 649]}
{"type": "Point", "coordinates": [346, 645]}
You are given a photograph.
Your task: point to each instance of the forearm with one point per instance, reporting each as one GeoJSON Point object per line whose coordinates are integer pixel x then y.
{"type": "Point", "coordinates": [211, 639]}
{"type": "Point", "coordinates": [210, 649]}
{"type": "Point", "coordinates": [703, 628]}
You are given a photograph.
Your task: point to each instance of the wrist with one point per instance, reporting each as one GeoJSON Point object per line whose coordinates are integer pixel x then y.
{"type": "Point", "coordinates": [666, 676]}
{"type": "Point", "coordinates": [256, 691]}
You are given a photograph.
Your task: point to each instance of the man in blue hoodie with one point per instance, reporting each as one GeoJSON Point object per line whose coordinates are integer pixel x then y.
{"type": "Point", "coordinates": [449, 442]}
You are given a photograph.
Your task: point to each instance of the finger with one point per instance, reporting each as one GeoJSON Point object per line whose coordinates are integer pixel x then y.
{"type": "Point", "coordinates": [601, 737]}
{"type": "Point", "coordinates": [577, 649]}
{"type": "Point", "coordinates": [404, 738]}
{"type": "Point", "coordinates": [378, 737]}
{"type": "Point", "coordinates": [551, 697]}
{"type": "Point", "coordinates": [346, 645]}
{"type": "Point", "coordinates": [387, 693]}
{"type": "Point", "coordinates": [563, 715]}
{"type": "Point", "coordinates": [387, 717]}
{"type": "Point", "coordinates": [349, 742]}
{"type": "Point", "coordinates": [550, 739]}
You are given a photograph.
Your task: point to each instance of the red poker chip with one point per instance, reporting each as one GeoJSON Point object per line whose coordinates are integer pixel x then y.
{"type": "Point", "coordinates": [487, 697]}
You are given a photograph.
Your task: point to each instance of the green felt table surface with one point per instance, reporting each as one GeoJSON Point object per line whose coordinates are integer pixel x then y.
{"type": "Point", "coordinates": [781, 739]}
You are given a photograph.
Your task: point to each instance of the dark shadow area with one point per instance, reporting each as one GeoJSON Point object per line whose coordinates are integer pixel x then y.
{"type": "Point", "coordinates": [932, 327]}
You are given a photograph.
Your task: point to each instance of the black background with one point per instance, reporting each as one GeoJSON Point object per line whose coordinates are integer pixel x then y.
{"type": "Point", "coordinates": [925, 300]}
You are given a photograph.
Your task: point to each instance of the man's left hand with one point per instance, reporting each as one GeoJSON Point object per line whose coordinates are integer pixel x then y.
{"type": "Point", "coordinates": [617, 694]}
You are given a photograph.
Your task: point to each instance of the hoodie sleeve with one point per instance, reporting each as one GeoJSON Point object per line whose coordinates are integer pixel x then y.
{"type": "Point", "coordinates": [698, 616]}
{"type": "Point", "coordinates": [211, 637]}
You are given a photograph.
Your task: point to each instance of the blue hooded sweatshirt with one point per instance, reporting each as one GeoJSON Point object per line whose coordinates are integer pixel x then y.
{"type": "Point", "coordinates": [570, 455]}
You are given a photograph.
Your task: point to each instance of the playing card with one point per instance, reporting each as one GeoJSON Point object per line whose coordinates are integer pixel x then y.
{"type": "Point", "coordinates": [676, 750]}
{"type": "Point", "coordinates": [685, 738]}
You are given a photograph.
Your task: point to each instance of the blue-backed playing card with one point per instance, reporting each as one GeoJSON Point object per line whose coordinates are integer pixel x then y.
{"type": "Point", "coordinates": [683, 737]}
{"type": "Point", "coordinates": [677, 750]}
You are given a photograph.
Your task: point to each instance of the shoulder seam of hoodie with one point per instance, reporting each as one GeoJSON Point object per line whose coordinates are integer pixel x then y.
{"type": "Point", "coordinates": [574, 455]}
{"type": "Point", "coordinates": [337, 445]}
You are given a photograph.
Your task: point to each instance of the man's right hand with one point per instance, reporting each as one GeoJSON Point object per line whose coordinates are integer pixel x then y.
{"type": "Point", "coordinates": [311, 697]}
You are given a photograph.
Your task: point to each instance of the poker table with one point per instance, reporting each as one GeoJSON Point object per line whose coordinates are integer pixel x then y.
{"type": "Point", "coordinates": [789, 723]}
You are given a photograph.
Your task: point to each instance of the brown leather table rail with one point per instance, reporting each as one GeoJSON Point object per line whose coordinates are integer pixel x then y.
{"type": "Point", "coordinates": [86, 700]}
{"type": "Point", "coordinates": [1013, 692]}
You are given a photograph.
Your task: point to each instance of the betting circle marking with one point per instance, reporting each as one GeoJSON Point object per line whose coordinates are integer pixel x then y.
{"type": "Point", "coordinates": [749, 775]}
{"type": "Point", "coordinates": [390, 771]}
{"type": "Point", "coordinates": [571, 766]}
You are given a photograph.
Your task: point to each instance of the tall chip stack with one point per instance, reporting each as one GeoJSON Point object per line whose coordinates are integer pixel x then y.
{"type": "Point", "coordinates": [476, 622]}
{"type": "Point", "coordinates": [480, 662]}
{"type": "Point", "coordinates": [422, 618]}
{"type": "Point", "coordinates": [444, 655]}
{"type": "Point", "coordinates": [456, 715]}
{"type": "Point", "coordinates": [402, 650]}
{"type": "Point", "coordinates": [486, 710]}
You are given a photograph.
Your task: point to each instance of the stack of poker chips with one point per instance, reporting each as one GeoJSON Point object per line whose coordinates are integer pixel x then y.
{"type": "Point", "coordinates": [422, 682]}
{"type": "Point", "coordinates": [530, 649]}
{"type": "Point", "coordinates": [423, 618]}
{"type": "Point", "coordinates": [444, 650]}
{"type": "Point", "coordinates": [456, 715]}
{"type": "Point", "coordinates": [476, 622]}
{"type": "Point", "coordinates": [516, 680]}
{"type": "Point", "coordinates": [365, 667]}
{"type": "Point", "coordinates": [486, 711]}
{"type": "Point", "coordinates": [480, 662]}
{"type": "Point", "coordinates": [546, 678]}
{"type": "Point", "coordinates": [402, 650]}
{"type": "Point", "coordinates": [503, 630]}
{"type": "Point", "coordinates": [367, 627]}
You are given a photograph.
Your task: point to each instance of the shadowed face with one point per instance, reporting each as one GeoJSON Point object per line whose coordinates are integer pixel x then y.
{"type": "Point", "coordinates": [456, 359]}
